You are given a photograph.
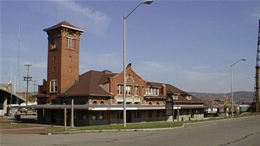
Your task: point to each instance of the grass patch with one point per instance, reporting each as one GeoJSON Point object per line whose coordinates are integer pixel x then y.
{"type": "Point", "coordinates": [119, 127]}
{"type": "Point", "coordinates": [132, 126]}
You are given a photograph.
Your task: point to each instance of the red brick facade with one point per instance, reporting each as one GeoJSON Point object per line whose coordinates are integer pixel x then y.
{"type": "Point", "coordinates": [99, 92]}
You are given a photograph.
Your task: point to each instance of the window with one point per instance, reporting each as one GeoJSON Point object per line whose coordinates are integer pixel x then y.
{"type": "Point", "coordinates": [150, 113]}
{"type": "Point", "coordinates": [94, 116]}
{"type": "Point", "coordinates": [70, 42]}
{"type": "Point", "coordinates": [53, 85]}
{"type": "Point", "coordinates": [69, 58]}
{"type": "Point", "coordinates": [188, 97]}
{"type": "Point", "coordinates": [136, 90]}
{"type": "Point", "coordinates": [70, 69]}
{"type": "Point", "coordinates": [53, 58]}
{"type": "Point", "coordinates": [53, 69]}
{"type": "Point", "coordinates": [152, 91]}
{"type": "Point", "coordinates": [139, 113]}
{"type": "Point", "coordinates": [55, 43]}
{"type": "Point", "coordinates": [119, 89]}
{"type": "Point", "coordinates": [119, 115]}
{"type": "Point", "coordinates": [101, 116]}
{"type": "Point", "coordinates": [128, 90]}
{"type": "Point", "coordinates": [94, 102]}
{"type": "Point", "coordinates": [158, 113]}
{"type": "Point", "coordinates": [102, 102]}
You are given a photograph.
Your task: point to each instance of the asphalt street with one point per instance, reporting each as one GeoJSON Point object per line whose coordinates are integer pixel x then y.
{"type": "Point", "coordinates": [230, 132]}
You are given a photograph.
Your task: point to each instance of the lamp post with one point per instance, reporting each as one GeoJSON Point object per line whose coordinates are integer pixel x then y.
{"type": "Point", "coordinates": [231, 79]}
{"type": "Point", "coordinates": [124, 58]}
{"type": "Point", "coordinates": [13, 90]}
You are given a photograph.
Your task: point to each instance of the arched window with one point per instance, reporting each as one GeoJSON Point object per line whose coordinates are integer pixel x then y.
{"type": "Point", "coordinates": [94, 102]}
{"type": "Point", "coordinates": [157, 103]}
{"type": "Point", "coordinates": [150, 103]}
{"type": "Point", "coordinates": [70, 69]}
{"type": "Point", "coordinates": [102, 102]}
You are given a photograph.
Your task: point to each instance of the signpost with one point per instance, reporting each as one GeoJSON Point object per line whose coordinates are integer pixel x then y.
{"type": "Point", "coordinates": [169, 106]}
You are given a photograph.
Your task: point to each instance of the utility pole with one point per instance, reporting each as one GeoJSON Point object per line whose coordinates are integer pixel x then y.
{"type": "Point", "coordinates": [257, 75]}
{"type": "Point", "coordinates": [34, 84]}
{"type": "Point", "coordinates": [27, 79]}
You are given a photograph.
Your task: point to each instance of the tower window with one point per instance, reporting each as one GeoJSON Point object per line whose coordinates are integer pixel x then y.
{"type": "Point", "coordinates": [70, 42]}
{"type": "Point", "coordinates": [70, 69]}
{"type": "Point", "coordinates": [53, 58]}
{"type": "Point", "coordinates": [53, 85]}
{"type": "Point", "coordinates": [69, 58]}
{"type": "Point", "coordinates": [53, 69]}
{"type": "Point", "coordinates": [55, 43]}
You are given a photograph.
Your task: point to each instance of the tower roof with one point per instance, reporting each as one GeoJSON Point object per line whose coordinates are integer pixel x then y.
{"type": "Point", "coordinates": [64, 24]}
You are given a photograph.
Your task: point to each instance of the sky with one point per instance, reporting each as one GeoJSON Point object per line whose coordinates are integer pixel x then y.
{"type": "Point", "coordinates": [189, 44]}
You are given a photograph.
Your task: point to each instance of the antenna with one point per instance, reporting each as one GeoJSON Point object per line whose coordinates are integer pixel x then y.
{"type": "Point", "coordinates": [18, 60]}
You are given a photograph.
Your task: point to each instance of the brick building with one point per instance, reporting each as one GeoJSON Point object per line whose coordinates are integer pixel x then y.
{"type": "Point", "coordinates": [98, 95]}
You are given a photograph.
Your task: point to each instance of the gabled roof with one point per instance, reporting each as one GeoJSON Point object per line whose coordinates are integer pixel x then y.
{"type": "Point", "coordinates": [170, 89]}
{"type": "Point", "coordinates": [106, 76]}
{"type": "Point", "coordinates": [154, 84]}
{"type": "Point", "coordinates": [65, 25]}
{"type": "Point", "coordinates": [87, 85]}
{"type": "Point", "coordinates": [128, 68]}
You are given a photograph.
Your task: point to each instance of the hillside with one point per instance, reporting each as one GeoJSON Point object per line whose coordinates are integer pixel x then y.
{"type": "Point", "coordinates": [239, 96]}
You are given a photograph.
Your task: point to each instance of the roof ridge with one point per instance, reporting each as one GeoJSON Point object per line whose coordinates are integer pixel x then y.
{"type": "Point", "coordinates": [64, 24]}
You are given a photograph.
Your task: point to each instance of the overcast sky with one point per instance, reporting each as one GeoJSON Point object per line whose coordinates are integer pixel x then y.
{"type": "Point", "coordinates": [189, 44]}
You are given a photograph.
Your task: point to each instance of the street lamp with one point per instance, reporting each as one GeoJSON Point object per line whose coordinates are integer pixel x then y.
{"type": "Point", "coordinates": [124, 56]}
{"type": "Point", "coordinates": [12, 90]}
{"type": "Point", "coordinates": [231, 77]}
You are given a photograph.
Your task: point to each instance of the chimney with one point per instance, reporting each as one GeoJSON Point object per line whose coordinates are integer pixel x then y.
{"type": "Point", "coordinates": [164, 90]}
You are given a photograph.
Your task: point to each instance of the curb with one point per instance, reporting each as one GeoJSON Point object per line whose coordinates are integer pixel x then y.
{"type": "Point", "coordinates": [112, 130]}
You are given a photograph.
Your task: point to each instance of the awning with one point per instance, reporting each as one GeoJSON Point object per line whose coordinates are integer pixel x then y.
{"type": "Point", "coordinates": [109, 107]}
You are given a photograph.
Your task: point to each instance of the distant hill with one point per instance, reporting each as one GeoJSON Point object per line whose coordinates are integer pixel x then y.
{"type": "Point", "coordinates": [239, 96]}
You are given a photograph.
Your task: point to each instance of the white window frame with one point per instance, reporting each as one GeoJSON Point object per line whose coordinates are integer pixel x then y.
{"type": "Point", "coordinates": [128, 90]}
{"type": "Point", "coordinates": [137, 90]}
{"type": "Point", "coordinates": [120, 89]}
{"type": "Point", "coordinates": [53, 85]}
{"type": "Point", "coordinates": [70, 42]}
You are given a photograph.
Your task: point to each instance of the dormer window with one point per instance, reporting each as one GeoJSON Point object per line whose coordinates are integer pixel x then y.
{"type": "Point", "coordinates": [188, 97]}
{"type": "Point", "coordinates": [175, 97]}
{"type": "Point", "coordinates": [152, 91]}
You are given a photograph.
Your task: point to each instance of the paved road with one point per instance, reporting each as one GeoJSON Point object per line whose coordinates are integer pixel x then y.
{"type": "Point", "coordinates": [232, 132]}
